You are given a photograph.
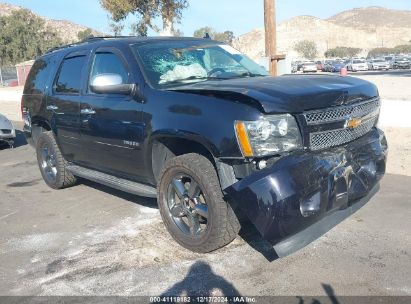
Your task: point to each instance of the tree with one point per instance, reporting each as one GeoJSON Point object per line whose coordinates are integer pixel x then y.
{"type": "Point", "coordinates": [178, 33]}
{"type": "Point", "coordinates": [399, 49]}
{"type": "Point", "coordinates": [227, 36]}
{"type": "Point", "coordinates": [24, 36]}
{"type": "Point", "coordinates": [402, 49]}
{"type": "Point", "coordinates": [146, 11]}
{"type": "Point", "coordinates": [342, 52]}
{"type": "Point", "coordinates": [306, 48]}
{"type": "Point", "coordinates": [377, 52]}
{"type": "Point", "coordinates": [83, 35]}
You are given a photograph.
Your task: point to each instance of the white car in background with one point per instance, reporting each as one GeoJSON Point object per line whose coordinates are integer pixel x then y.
{"type": "Point", "coordinates": [356, 65]}
{"type": "Point", "coordinates": [379, 64]}
{"type": "Point", "coordinates": [7, 131]}
{"type": "Point", "coordinates": [309, 67]}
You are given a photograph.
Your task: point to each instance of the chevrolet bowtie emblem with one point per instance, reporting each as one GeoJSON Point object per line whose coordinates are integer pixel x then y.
{"type": "Point", "coordinates": [353, 123]}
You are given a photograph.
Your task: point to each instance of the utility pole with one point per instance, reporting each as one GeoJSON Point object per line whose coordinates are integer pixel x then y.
{"type": "Point", "coordinates": [270, 24]}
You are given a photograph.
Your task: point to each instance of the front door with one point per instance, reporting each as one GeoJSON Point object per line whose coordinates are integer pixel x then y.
{"type": "Point", "coordinates": [111, 124]}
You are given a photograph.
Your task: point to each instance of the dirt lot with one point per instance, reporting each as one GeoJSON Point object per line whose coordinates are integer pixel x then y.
{"type": "Point", "coordinates": [92, 240]}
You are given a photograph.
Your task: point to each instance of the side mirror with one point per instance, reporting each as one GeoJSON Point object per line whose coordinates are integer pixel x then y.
{"type": "Point", "coordinates": [110, 84]}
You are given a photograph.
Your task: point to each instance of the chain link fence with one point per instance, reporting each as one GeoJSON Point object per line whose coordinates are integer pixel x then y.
{"type": "Point", "coordinates": [8, 75]}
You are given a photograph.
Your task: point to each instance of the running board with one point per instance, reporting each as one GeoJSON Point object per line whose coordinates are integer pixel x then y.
{"type": "Point", "coordinates": [113, 182]}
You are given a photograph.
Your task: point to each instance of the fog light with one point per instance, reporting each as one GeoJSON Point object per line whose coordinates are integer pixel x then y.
{"type": "Point", "coordinates": [261, 164]}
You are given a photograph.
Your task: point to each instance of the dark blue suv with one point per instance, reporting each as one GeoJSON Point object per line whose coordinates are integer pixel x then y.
{"type": "Point", "coordinates": [205, 130]}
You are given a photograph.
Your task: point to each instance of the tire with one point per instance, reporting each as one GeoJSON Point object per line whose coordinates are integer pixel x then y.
{"type": "Point", "coordinates": [221, 223]}
{"type": "Point", "coordinates": [52, 163]}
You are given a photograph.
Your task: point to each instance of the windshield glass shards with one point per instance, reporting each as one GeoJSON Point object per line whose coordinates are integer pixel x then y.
{"type": "Point", "coordinates": [181, 62]}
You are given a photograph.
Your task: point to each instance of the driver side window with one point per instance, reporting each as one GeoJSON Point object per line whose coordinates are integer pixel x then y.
{"type": "Point", "coordinates": [214, 58]}
{"type": "Point", "coordinates": [108, 63]}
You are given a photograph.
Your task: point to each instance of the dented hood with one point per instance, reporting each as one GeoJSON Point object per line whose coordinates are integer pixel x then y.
{"type": "Point", "coordinates": [287, 94]}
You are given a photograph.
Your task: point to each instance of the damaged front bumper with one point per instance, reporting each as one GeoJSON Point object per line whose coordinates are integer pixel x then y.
{"type": "Point", "coordinates": [305, 194]}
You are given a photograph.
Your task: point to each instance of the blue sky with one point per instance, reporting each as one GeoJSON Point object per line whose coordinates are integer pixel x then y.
{"type": "Point", "coordinates": [239, 16]}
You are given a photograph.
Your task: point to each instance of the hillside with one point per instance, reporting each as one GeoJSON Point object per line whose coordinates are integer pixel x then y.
{"type": "Point", "coordinates": [365, 28]}
{"type": "Point", "coordinates": [67, 30]}
{"type": "Point", "coordinates": [372, 17]}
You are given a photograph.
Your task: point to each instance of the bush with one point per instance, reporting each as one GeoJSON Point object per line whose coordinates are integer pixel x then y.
{"type": "Point", "coordinates": [342, 52]}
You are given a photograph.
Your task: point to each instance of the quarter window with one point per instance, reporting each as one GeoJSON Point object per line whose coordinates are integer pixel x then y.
{"type": "Point", "coordinates": [38, 77]}
{"type": "Point", "coordinates": [69, 79]}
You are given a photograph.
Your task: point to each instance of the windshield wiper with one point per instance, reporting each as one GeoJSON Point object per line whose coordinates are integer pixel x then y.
{"type": "Point", "coordinates": [191, 78]}
{"type": "Point", "coordinates": [248, 74]}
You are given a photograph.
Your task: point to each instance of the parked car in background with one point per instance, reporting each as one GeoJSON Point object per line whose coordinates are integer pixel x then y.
{"type": "Point", "coordinates": [334, 66]}
{"type": "Point", "coordinates": [7, 131]}
{"type": "Point", "coordinates": [294, 67]}
{"type": "Point", "coordinates": [357, 65]}
{"type": "Point", "coordinates": [400, 63]}
{"type": "Point", "coordinates": [378, 64]}
{"type": "Point", "coordinates": [388, 58]}
{"type": "Point", "coordinates": [309, 67]}
{"type": "Point", "coordinates": [320, 65]}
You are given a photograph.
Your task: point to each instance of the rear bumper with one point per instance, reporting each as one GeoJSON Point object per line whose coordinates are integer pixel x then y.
{"type": "Point", "coordinates": [302, 189]}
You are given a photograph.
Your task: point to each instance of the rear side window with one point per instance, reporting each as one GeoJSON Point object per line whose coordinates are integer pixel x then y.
{"type": "Point", "coordinates": [38, 77]}
{"type": "Point", "coordinates": [109, 63]}
{"type": "Point", "coordinates": [69, 78]}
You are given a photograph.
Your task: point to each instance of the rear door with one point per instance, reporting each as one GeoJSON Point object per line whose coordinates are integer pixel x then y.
{"type": "Point", "coordinates": [64, 103]}
{"type": "Point", "coordinates": [111, 124]}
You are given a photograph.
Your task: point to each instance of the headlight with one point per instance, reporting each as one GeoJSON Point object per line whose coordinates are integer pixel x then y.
{"type": "Point", "coordinates": [270, 135]}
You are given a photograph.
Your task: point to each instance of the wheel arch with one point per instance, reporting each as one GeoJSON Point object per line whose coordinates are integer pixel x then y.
{"type": "Point", "coordinates": [164, 146]}
{"type": "Point", "coordinates": [38, 126]}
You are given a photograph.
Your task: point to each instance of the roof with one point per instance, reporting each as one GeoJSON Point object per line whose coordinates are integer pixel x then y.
{"type": "Point", "coordinates": [119, 39]}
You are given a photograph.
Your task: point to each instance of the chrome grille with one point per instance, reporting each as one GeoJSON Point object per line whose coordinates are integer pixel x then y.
{"type": "Point", "coordinates": [329, 127]}
{"type": "Point", "coordinates": [342, 112]}
{"type": "Point", "coordinates": [333, 138]}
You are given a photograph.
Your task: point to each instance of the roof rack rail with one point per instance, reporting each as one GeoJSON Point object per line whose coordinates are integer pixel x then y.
{"type": "Point", "coordinates": [60, 47]}
{"type": "Point", "coordinates": [89, 39]}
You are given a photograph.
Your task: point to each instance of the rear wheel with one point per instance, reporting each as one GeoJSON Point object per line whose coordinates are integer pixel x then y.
{"type": "Point", "coordinates": [192, 205]}
{"type": "Point", "coordinates": [52, 163]}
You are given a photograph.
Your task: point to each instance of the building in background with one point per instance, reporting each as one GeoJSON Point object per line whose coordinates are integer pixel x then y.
{"type": "Point", "coordinates": [23, 70]}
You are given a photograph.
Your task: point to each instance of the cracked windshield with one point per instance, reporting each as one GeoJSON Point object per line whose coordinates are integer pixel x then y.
{"type": "Point", "coordinates": [177, 63]}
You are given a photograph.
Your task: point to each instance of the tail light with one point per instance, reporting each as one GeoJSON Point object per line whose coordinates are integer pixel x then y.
{"type": "Point", "coordinates": [22, 108]}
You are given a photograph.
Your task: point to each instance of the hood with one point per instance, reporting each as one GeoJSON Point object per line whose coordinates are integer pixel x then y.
{"type": "Point", "coordinates": [289, 93]}
{"type": "Point", "coordinates": [5, 123]}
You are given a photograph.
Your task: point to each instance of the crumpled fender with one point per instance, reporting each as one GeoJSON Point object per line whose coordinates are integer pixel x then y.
{"type": "Point", "coordinates": [302, 188]}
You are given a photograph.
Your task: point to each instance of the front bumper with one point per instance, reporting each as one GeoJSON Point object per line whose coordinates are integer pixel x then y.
{"type": "Point", "coordinates": [360, 68]}
{"type": "Point", "coordinates": [381, 67]}
{"type": "Point", "coordinates": [301, 189]}
{"type": "Point", "coordinates": [7, 134]}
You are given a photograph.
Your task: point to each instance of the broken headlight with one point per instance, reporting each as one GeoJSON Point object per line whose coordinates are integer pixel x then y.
{"type": "Point", "coordinates": [270, 135]}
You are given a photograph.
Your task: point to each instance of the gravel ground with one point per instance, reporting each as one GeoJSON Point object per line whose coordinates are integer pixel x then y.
{"type": "Point", "coordinates": [391, 85]}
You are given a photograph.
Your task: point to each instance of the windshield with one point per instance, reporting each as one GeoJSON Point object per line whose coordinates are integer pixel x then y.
{"type": "Point", "coordinates": [359, 61]}
{"type": "Point", "coordinates": [378, 60]}
{"type": "Point", "coordinates": [180, 62]}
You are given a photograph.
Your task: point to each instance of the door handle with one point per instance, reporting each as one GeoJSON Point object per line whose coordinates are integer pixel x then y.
{"type": "Point", "coordinates": [52, 108]}
{"type": "Point", "coordinates": [87, 111]}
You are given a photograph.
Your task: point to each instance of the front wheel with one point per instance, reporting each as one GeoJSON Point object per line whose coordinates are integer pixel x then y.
{"type": "Point", "coordinates": [192, 206]}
